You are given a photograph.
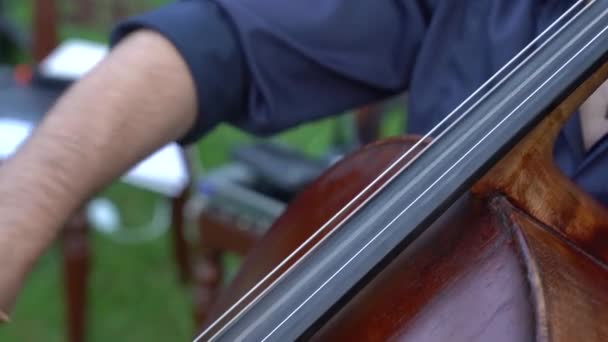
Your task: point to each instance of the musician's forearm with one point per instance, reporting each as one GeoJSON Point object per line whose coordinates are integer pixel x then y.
{"type": "Point", "coordinates": [140, 98]}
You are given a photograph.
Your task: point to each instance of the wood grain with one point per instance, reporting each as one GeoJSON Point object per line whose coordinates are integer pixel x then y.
{"type": "Point", "coordinates": [569, 288]}
{"type": "Point", "coordinates": [460, 281]}
{"type": "Point", "coordinates": [530, 179]}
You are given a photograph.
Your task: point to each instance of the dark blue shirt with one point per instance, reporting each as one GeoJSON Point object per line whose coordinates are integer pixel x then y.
{"type": "Point", "coordinates": [267, 65]}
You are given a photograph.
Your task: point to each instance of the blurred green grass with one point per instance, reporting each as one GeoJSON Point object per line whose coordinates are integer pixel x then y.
{"type": "Point", "coordinates": [134, 294]}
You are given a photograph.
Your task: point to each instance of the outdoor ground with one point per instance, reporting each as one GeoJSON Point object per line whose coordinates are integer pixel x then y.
{"type": "Point", "coordinates": [134, 294]}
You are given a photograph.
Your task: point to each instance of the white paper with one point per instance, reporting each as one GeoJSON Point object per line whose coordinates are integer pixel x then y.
{"type": "Point", "coordinates": [164, 172]}
{"type": "Point", "coordinates": [73, 59]}
{"type": "Point", "coordinates": [12, 133]}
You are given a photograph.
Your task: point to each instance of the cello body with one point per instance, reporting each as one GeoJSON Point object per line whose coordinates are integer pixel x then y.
{"type": "Point", "coordinates": [522, 256]}
{"type": "Point", "coordinates": [496, 246]}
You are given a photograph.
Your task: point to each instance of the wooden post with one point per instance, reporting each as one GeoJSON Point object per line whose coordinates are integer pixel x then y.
{"type": "Point", "coordinates": [368, 123]}
{"type": "Point", "coordinates": [75, 243]}
{"type": "Point", "coordinates": [76, 256]}
{"type": "Point", "coordinates": [45, 28]}
{"type": "Point", "coordinates": [181, 249]}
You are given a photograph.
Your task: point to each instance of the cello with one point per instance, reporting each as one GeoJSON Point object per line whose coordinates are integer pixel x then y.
{"type": "Point", "coordinates": [473, 235]}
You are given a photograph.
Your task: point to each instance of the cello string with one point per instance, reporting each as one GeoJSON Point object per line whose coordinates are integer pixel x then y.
{"type": "Point", "coordinates": [394, 164]}
{"type": "Point", "coordinates": [333, 218]}
{"type": "Point", "coordinates": [243, 298]}
{"type": "Point", "coordinates": [603, 14]}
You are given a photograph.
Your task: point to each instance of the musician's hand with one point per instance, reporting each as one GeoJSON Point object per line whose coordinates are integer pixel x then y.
{"type": "Point", "coordinates": [138, 99]}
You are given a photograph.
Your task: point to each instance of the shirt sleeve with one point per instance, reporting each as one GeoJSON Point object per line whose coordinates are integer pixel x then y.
{"type": "Point", "coordinates": [267, 65]}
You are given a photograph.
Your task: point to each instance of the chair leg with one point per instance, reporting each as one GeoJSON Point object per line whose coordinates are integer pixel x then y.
{"type": "Point", "coordinates": [180, 245]}
{"type": "Point", "coordinates": [368, 123]}
{"type": "Point", "coordinates": [76, 265]}
{"type": "Point", "coordinates": [208, 276]}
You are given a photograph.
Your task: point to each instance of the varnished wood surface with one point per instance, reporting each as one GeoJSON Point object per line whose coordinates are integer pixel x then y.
{"type": "Point", "coordinates": [569, 287]}
{"type": "Point", "coordinates": [313, 207]}
{"type": "Point", "coordinates": [524, 259]}
{"type": "Point", "coordinates": [466, 262]}
{"type": "Point", "coordinates": [222, 233]}
{"type": "Point", "coordinates": [476, 275]}
{"type": "Point", "coordinates": [460, 281]}
{"type": "Point", "coordinates": [528, 176]}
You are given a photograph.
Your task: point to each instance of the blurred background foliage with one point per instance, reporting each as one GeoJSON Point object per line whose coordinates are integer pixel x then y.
{"type": "Point", "coordinates": [134, 293]}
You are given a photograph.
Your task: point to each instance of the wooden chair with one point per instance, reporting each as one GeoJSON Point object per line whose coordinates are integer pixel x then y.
{"type": "Point", "coordinates": [230, 214]}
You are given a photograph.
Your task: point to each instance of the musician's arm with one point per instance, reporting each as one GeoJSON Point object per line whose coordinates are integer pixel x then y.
{"type": "Point", "coordinates": [138, 99]}
{"type": "Point", "coordinates": [263, 65]}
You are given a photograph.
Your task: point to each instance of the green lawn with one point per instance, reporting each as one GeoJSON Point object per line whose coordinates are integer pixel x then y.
{"type": "Point", "coordinates": [134, 294]}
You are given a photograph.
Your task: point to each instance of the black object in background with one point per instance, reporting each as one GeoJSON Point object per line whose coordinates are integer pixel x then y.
{"type": "Point", "coordinates": [6, 77]}
{"type": "Point", "coordinates": [12, 41]}
{"type": "Point", "coordinates": [282, 171]}
{"type": "Point", "coordinates": [27, 103]}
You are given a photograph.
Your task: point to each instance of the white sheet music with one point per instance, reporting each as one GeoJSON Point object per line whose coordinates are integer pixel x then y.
{"type": "Point", "coordinates": [164, 172]}
{"type": "Point", "coordinates": [12, 134]}
{"type": "Point", "coordinates": [73, 59]}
